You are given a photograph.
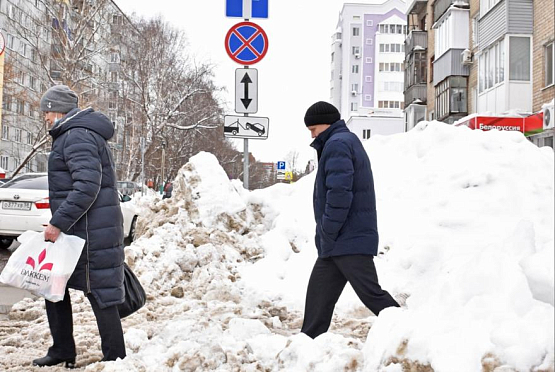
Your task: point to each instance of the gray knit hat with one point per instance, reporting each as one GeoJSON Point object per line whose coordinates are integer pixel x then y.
{"type": "Point", "coordinates": [59, 98]}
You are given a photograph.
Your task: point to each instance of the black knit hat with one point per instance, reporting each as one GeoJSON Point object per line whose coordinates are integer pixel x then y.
{"type": "Point", "coordinates": [321, 113]}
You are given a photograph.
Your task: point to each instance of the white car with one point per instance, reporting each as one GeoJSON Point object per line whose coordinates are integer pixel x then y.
{"type": "Point", "coordinates": [24, 205]}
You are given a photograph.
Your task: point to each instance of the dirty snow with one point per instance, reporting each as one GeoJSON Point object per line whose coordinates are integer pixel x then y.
{"type": "Point", "coordinates": [466, 229]}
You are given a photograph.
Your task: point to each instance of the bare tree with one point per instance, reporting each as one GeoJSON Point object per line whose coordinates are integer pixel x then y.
{"type": "Point", "coordinates": [176, 96]}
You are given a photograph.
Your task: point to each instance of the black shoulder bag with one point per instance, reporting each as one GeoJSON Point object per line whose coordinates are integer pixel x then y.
{"type": "Point", "coordinates": [135, 296]}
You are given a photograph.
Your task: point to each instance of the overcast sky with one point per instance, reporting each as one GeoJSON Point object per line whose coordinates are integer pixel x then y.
{"type": "Point", "coordinates": [294, 73]}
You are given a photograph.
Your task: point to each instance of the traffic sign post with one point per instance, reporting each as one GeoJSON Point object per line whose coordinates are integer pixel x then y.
{"type": "Point", "coordinates": [246, 91]}
{"type": "Point", "coordinates": [281, 165]}
{"type": "Point", "coordinates": [246, 43]}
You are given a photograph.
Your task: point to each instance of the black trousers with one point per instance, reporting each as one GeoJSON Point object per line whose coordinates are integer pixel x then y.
{"type": "Point", "coordinates": [60, 319]}
{"type": "Point", "coordinates": [326, 283]}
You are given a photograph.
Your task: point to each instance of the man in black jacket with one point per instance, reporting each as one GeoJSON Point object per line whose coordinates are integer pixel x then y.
{"type": "Point", "coordinates": [84, 202]}
{"type": "Point", "coordinates": [346, 222]}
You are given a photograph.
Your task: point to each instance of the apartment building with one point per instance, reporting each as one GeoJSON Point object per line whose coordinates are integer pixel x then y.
{"type": "Point", "coordinates": [417, 86]}
{"type": "Point", "coordinates": [367, 70]}
{"type": "Point", "coordinates": [36, 44]}
{"type": "Point", "coordinates": [543, 56]}
{"type": "Point", "coordinates": [504, 55]}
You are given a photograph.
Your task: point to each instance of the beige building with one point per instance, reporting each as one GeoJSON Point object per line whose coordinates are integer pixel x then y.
{"type": "Point", "coordinates": [543, 54]}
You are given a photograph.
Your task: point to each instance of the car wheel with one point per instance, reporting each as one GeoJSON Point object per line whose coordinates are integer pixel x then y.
{"type": "Point", "coordinates": [260, 134]}
{"type": "Point", "coordinates": [234, 132]}
{"type": "Point", "coordinates": [5, 242]}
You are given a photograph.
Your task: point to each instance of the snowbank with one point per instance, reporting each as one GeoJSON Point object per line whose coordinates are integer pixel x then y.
{"type": "Point", "coordinates": [466, 228]}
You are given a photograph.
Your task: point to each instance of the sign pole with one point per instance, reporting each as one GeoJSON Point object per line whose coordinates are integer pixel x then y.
{"type": "Point", "coordinates": [142, 165]}
{"type": "Point", "coordinates": [246, 161]}
{"type": "Point", "coordinates": [246, 164]}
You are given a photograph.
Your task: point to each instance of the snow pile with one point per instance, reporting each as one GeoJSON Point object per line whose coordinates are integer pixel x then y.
{"type": "Point", "coordinates": [466, 228]}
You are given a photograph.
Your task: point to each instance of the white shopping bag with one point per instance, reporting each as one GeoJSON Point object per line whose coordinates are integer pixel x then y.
{"type": "Point", "coordinates": [43, 268]}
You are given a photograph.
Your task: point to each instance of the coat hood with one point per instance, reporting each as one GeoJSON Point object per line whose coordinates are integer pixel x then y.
{"type": "Point", "coordinates": [86, 118]}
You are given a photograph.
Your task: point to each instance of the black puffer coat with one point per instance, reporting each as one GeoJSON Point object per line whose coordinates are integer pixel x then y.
{"type": "Point", "coordinates": [84, 201]}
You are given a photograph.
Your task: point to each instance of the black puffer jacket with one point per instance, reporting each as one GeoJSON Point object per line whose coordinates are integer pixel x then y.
{"type": "Point", "coordinates": [84, 201]}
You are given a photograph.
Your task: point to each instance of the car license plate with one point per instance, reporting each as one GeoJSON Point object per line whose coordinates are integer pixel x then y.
{"type": "Point", "coordinates": [16, 206]}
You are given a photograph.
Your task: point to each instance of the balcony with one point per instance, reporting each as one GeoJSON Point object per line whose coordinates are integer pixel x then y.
{"type": "Point", "coordinates": [416, 39]}
{"type": "Point", "coordinates": [414, 92]}
{"type": "Point", "coordinates": [440, 6]}
{"type": "Point", "coordinates": [415, 6]}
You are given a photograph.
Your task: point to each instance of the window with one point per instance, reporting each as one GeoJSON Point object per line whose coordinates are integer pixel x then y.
{"type": "Point", "coordinates": [391, 29]}
{"type": "Point", "coordinates": [20, 107]}
{"type": "Point", "coordinates": [7, 104]}
{"type": "Point", "coordinates": [17, 135]}
{"type": "Point", "coordinates": [4, 162]}
{"type": "Point", "coordinates": [354, 69]}
{"type": "Point", "coordinates": [369, 41]}
{"type": "Point", "coordinates": [486, 5]}
{"type": "Point", "coordinates": [491, 70]}
{"type": "Point", "coordinates": [549, 53]}
{"type": "Point", "coordinates": [10, 42]}
{"type": "Point", "coordinates": [384, 29]}
{"type": "Point", "coordinates": [114, 57]}
{"type": "Point", "coordinates": [366, 133]}
{"type": "Point", "coordinates": [354, 106]}
{"type": "Point", "coordinates": [519, 58]}
{"type": "Point", "coordinates": [332, 56]}
{"type": "Point", "coordinates": [356, 50]}
{"type": "Point", "coordinates": [475, 32]}
{"type": "Point", "coordinates": [354, 87]}
{"type": "Point", "coordinates": [11, 11]}
{"type": "Point", "coordinates": [356, 31]}
{"type": "Point", "coordinates": [368, 78]}
{"type": "Point", "coordinates": [368, 59]}
{"type": "Point", "coordinates": [32, 82]}
{"type": "Point", "coordinates": [114, 76]}
{"type": "Point", "coordinates": [451, 97]}
{"type": "Point", "coordinates": [369, 23]}
{"type": "Point", "coordinates": [29, 138]}
{"type": "Point", "coordinates": [368, 97]}
{"type": "Point", "coordinates": [399, 29]}
{"type": "Point", "coordinates": [113, 100]}
{"type": "Point", "coordinates": [5, 134]}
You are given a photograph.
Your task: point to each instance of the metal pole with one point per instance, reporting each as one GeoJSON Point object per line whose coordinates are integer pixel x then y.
{"type": "Point", "coordinates": [246, 164]}
{"type": "Point", "coordinates": [163, 164]}
{"type": "Point", "coordinates": [142, 165]}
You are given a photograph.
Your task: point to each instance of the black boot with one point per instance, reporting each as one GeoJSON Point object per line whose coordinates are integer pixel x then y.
{"type": "Point", "coordinates": [48, 361]}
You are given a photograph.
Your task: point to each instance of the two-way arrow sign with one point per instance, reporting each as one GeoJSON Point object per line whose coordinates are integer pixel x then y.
{"type": "Point", "coordinates": [246, 91]}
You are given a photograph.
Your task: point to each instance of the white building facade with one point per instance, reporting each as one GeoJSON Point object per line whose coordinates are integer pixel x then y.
{"type": "Point", "coordinates": [367, 71]}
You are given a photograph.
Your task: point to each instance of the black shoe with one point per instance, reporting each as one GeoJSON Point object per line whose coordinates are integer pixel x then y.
{"type": "Point", "coordinates": [48, 361]}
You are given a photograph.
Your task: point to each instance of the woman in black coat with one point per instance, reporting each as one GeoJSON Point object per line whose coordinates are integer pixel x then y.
{"type": "Point", "coordinates": [84, 202]}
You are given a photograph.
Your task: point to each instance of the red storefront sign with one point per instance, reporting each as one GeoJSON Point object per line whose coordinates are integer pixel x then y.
{"type": "Point", "coordinates": [529, 125]}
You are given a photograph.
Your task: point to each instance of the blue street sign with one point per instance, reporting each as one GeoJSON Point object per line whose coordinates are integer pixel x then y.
{"type": "Point", "coordinates": [246, 8]}
{"type": "Point", "coordinates": [281, 165]}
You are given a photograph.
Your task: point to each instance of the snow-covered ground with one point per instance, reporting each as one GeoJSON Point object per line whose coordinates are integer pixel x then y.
{"type": "Point", "coordinates": [466, 221]}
